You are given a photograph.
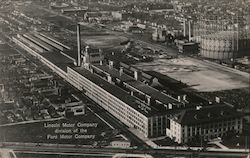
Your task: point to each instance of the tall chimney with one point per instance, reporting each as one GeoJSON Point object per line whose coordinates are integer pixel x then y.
{"type": "Point", "coordinates": [184, 28]}
{"type": "Point", "coordinates": [78, 45]}
{"type": "Point", "coordinates": [189, 30]}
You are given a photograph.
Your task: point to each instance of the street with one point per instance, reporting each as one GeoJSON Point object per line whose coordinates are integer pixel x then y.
{"type": "Point", "coordinates": [76, 151]}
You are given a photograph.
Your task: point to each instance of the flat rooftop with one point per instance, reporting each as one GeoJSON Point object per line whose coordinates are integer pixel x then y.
{"type": "Point", "coordinates": [213, 113]}
{"type": "Point", "coordinates": [114, 73]}
{"type": "Point", "coordinates": [117, 92]}
{"type": "Point", "coordinates": [61, 60]}
{"type": "Point", "coordinates": [139, 86]}
{"type": "Point", "coordinates": [58, 59]}
{"type": "Point", "coordinates": [72, 54]}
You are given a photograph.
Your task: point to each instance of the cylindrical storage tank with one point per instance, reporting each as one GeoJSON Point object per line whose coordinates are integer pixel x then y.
{"type": "Point", "coordinates": [216, 55]}
{"type": "Point", "coordinates": [222, 45]}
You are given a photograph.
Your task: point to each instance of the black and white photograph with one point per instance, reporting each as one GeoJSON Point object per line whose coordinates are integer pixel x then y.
{"type": "Point", "coordinates": [124, 78]}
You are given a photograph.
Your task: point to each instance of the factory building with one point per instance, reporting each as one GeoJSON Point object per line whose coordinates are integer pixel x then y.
{"type": "Point", "coordinates": [203, 123]}
{"type": "Point", "coordinates": [126, 108]}
{"type": "Point", "coordinates": [117, 15]}
{"type": "Point", "coordinates": [91, 55]}
{"type": "Point", "coordinates": [186, 47]}
{"type": "Point", "coordinates": [159, 35]}
{"type": "Point", "coordinates": [133, 86]}
{"type": "Point", "coordinates": [56, 61]}
{"type": "Point", "coordinates": [134, 103]}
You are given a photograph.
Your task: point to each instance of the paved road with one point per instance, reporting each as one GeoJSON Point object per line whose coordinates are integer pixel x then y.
{"type": "Point", "coordinates": [61, 155]}
{"type": "Point", "coordinates": [74, 151]}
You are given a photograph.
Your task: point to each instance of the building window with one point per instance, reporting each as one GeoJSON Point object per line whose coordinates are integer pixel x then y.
{"type": "Point", "coordinates": [168, 123]}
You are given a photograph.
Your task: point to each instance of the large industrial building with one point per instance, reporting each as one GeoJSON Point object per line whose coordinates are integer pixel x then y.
{"type": "Point", "coordinates": [222, 38]}
{"type": "Point", "coordinates": [136, 104]}
{"type": "Point", "coordinates": [203, 123]}
{"type": "Point", "coordinates": [129, 110]}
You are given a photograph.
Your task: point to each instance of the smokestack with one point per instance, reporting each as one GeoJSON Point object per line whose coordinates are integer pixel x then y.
{"type": "Point", "coordinates": [189, 30]}
{"type": "Point", "coordinates": [184, 28]}
{"type": "Point", "coordinates": [78, 45]}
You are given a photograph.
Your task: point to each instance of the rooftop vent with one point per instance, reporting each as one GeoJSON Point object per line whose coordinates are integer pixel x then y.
{"type": "Point", "coordinates": [222, 113]}
{"type": "Point", "coordinates": [196, 117]}
{"type": "Point", "coordinates": [143, 107]}
{"type": "Point", "coordinates": [111, 64]}
{"type": "Point", "coordinates": [209, 115]}
{"type": "Point", "coordinates": [217, 100]}
{"type": "Point", "coordinates": [121, 71]}
{"type": "Point", "coordinates": [198, 107]}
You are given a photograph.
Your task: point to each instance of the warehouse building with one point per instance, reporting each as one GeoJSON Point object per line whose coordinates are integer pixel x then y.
{"type": "Point", "coordinates": [203, 123]}
{"type": "Point", "coordinates": [150, 121]}
{"type": "Point", "coordinates": [56, 61]}
{"type": "Point", "coordinates": [134, 103]}
{"type": "Point", "coordinates": [135, 87]}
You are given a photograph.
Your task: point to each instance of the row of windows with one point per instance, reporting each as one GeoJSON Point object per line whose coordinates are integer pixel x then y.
{"type": "Point", "coordinates": [206, 136]}
{"type": "Point", "coordinates": [215, 125]}
{"type": "Point", "coordinates": [176, 130]}
{"type": "Point", "coordinates": [212, 131]}
{"type": "Point", "coordinates": [112, 104]}
{"type": "Point", "coordinates": [157, 125]}
{"type": "Point", "coordinates": [132, 114]}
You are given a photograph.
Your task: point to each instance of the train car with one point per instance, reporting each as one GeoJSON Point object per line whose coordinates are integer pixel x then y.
{"type": "Point", "coordinates": [55, 41]}
{"type": "Point", "coordinates": [31, 44]}
{"type": "Point", "coordinates": [57, 46]}
{"type": "Point", "coordinates": [39, 42]}
{"type": "Point", "coordinates": [132, 155]}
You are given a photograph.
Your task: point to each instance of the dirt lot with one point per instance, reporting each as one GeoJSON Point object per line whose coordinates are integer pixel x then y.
{"type": "Point", "coordinates": [203, 76]}
{"type": "Point", "coordinates": [104, 41]}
